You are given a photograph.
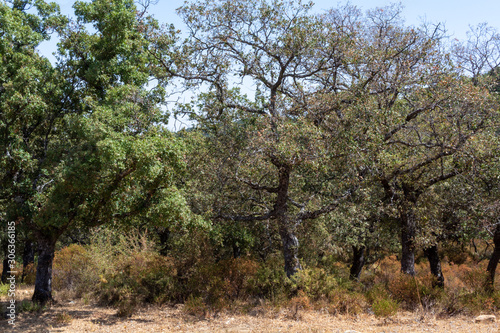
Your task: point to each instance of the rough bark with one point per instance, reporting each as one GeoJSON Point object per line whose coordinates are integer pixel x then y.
{"type": "Point", "coordinates": [43, 281]}
{"type": "Point", "coordinates": [290, 251]}
{"type": "Point", "coordinates": [286, 225]}
{"type": "Point", "coordinates": [28, 257]}
{"type": "Point", "coordinates": [495, 257]}
{"type": "Point", "coordinates": [5, 265]}
{"type": "Point", "coordinates": [358, 261]}
{"type": "Point", "coordinates": [408, 230]}
{"type": "Point", "coordinates": [435, 265]}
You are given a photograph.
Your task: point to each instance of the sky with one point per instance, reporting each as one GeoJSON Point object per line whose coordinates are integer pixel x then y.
{"type": "Point", "coordinates": [456, 15]}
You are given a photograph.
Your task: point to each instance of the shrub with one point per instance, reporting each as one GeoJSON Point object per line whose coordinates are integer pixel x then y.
{"type": "Point", "coordinates": [412, 291]}
{"type": "Point", "coordinates": [63, 318]}
{"type": "Point", "coordinates": [195, 306]}
{"type": "Point", "coordinates": [378, 291]}
{"type": "Point", "coordinates": [140, 277]}
{"type": "Point", "coordinates": [385, 307]}
{"type": "Point", "coordinates": [69, 266]}
{"type": "Point", "coordinates": [315, 283]}
{"type": "Point", "coordinates": [343, 301]}
{"type": "Point", "coordinates": [270, 280]}
{"type": "Point", "coordinates": [4, 289]}
{"type": "Point", "coordinates": [298, 303]}
{"type": "Point", "coordinates": [30, 274]}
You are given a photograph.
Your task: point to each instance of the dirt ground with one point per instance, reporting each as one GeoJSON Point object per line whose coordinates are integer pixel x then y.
{"type": "Point", "coordinates": [74, 316]}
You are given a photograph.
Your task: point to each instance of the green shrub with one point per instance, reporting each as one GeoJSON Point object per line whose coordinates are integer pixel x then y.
{"type": "Point", "coordinates": [4, 289]}
{"type": "Point", "coordinates": [140, 277]}
{"type": "Point", "coordinates": [270, 280]}
{"type": "Point", "coordinates": [385, 307]}
{"type": "Point", "coordinates": [29, 306]}
{"type": "Point", "coordinates": [315, 282]}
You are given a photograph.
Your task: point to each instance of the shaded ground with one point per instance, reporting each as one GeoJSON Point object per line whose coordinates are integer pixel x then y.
{"type": "Point", "coordinates": [75, 317]}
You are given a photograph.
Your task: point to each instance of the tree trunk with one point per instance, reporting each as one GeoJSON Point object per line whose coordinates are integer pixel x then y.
{"type": "Point", "coordinates": [285, 224]}
{"type": "Point", "coordinates": [164, 236]}
{"type": "Point", "coordinates": [358, 261]}
{"type": "Point", "coordinates": [28, 257]}
{"type": "Point", "coordinates": [435, 264]}
{"type": "Point", "coordinates": [43, 281]}
{"type": "Point", "coordinates": [408, 229]}
{"type": "Point", "coordinates": [5, 266]}
{"type": "Point", "coordinates": [492, 265]}
{"type": "Point", "coordinates": [236, 251]}
{"type": "Point", "coordinates": [290, 250]}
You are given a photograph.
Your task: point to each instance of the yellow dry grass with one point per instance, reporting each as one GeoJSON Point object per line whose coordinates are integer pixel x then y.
{"type": "Point", "coordinates": [91, 318]}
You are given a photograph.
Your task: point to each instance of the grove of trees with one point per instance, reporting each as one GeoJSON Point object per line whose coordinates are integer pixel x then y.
{"type": "Point", "coordinates": [345, 129]}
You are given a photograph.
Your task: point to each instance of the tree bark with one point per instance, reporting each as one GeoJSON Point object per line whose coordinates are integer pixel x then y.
{"type": "Point", "coordinates": [285, 224]}
{"type": "Point", "coordinates": [164, 235]}
{"type": "Point", "coordinates": [435, 265]}
{"type": "Point", "coordinates": [358, 261]}
{"type": "Point", "coordinates": [28, 257]}
{"type": "Point", "coordinates": [290, 250]}
{"type": "Point", "coordinates": [5, 264]}
{"type": "Point", "coordinates": [408, 230]}
{"type": "Point", "coordinates": [492, 264]}
{"type": "Point", "coordinates": [43, 281]}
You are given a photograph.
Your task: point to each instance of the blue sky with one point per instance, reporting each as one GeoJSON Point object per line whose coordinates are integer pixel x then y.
{"type": "Point", "coordinates": [457, 15]}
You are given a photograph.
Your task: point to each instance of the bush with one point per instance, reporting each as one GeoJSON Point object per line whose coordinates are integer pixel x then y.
{"type": "Point", "coordinates": [195, 306]}
{"type": "Point", "coordinates": [69, 267]}
{"type": "Point", "coordinates": [343, 301]}
{"type": "Point", "coordinates": [315, 283]}
{"type": "Point", "coordinates": [270, 280]}
{"type": "Point", "coordinates": [385, 307]}
{"type": "Point", "coordinates": [413, 291]}
{"type": "Point", "coordinates": [30, 274]}
{"type": "Point", "coordinates": [138, 277]}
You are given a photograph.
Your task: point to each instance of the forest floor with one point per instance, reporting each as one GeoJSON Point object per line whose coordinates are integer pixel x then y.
{"type": "Point", "coordinates": [75, 316]}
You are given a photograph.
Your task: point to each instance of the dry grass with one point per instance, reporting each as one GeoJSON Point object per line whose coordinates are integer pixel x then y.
{"type": "Point", "coordinates": [75, 316]}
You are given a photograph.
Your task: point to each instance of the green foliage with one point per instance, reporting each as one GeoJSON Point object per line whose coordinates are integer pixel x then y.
{"type": "Point", "coordinates": [365, 128]}
{"type": "Point", "coordinates": [270, 280]}
{"type": "Point", "coordinates": [4, 289]}
{"type": "Point", "coordinates": [29, 306]}
{"type": "Point", "coordinates": [316, 283]}
{"type": "Point", "coordinates": [384, 307]}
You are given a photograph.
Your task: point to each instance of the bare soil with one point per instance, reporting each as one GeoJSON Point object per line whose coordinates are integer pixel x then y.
{"type": "Point", "coordinates": [75, 316]}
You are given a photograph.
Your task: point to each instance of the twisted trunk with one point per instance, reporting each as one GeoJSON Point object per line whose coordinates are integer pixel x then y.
{"type": "Point", "coordinates": [435, 265]}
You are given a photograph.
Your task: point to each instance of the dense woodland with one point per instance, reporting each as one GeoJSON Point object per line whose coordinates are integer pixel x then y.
{"type": "Point", "coordinates": [318, 146]}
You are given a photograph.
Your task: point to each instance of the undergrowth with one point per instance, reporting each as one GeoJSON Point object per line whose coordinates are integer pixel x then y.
{"type": "Point", "coordinates": [127, 270]}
